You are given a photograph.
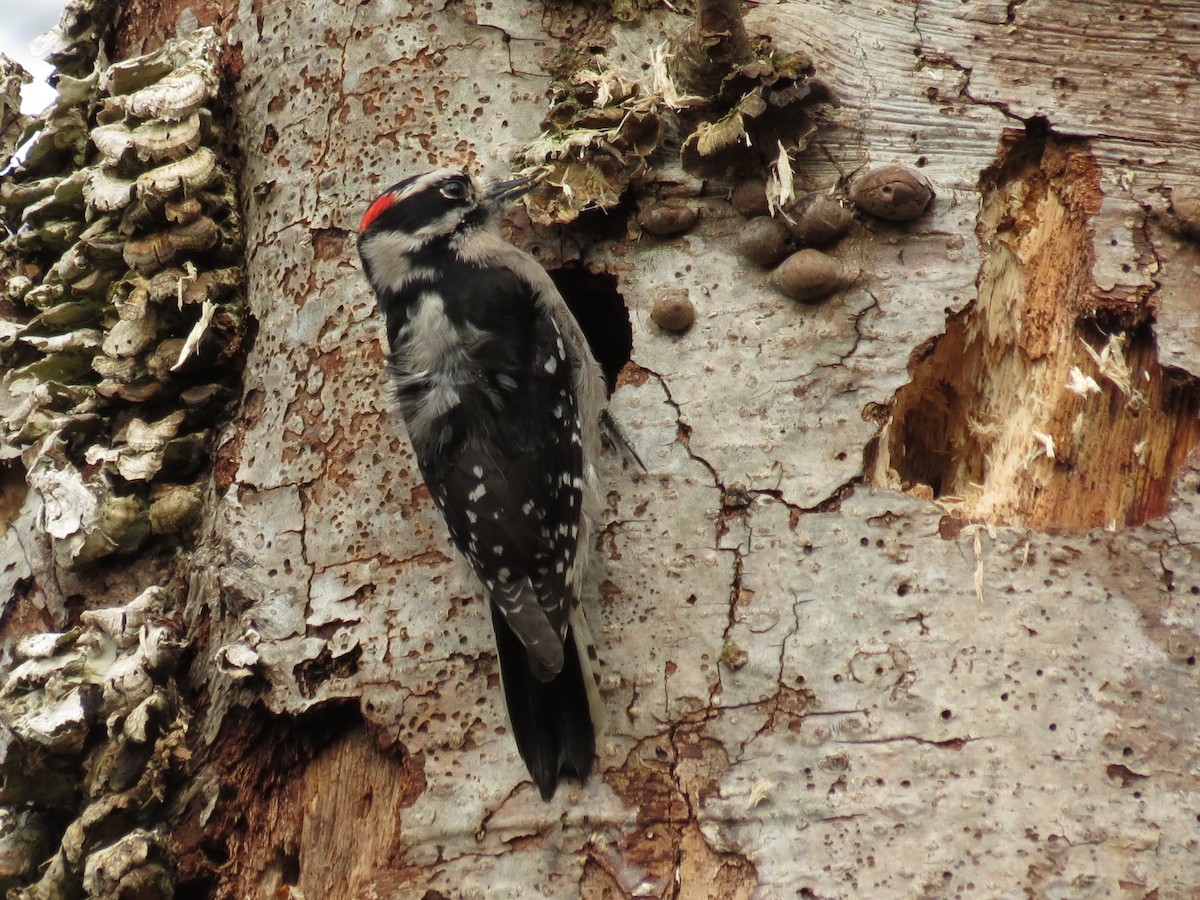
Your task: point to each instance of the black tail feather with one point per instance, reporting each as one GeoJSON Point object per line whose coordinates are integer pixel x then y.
{"type": "Point", "coordinates": [550, 719]}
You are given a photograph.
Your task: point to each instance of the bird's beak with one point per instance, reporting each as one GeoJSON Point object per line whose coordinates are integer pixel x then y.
{"type": "Point", "coordinates": [501, 192]}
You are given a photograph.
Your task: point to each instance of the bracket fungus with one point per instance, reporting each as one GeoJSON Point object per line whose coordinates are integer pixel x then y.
{"type": "Point", "coordinates": [97, 715]}
{"type": "Point", "coordinates": [125, 293]}
{"type": "Point", "coordinates": [607, 125]}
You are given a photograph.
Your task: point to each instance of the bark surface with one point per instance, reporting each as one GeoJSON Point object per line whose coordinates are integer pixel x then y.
{"type": "Point", "coordinates": [906, 601]}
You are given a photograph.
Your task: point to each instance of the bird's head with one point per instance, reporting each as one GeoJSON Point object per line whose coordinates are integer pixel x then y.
{"type": "Point", "coordinates": [438, 210]}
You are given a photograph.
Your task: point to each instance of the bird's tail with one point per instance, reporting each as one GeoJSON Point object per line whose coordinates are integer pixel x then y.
{"type": "Point", "coordinates": [555, 722]}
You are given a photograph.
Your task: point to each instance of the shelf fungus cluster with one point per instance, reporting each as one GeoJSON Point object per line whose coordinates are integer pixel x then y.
{"type": "Point", "coordinates": [608, 125]}
{"type": "Point", "coordinates": [12, 121]}
{"type": "Point", "coordinates": [91, 712]}
{"type": "Point", "coordinates": [601, 129]}
{"type": "Point", "coordinates": [121, 315]}
{"type": "Point", "coordinates": [762, 109]}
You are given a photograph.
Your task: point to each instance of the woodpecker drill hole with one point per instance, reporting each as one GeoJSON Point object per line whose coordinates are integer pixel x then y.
{"type": "Point", "coordinates": [600, 310]}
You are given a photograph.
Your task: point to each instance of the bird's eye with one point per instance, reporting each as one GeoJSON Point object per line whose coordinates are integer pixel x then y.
{"type": "Point", "coordinates": [454, 190]}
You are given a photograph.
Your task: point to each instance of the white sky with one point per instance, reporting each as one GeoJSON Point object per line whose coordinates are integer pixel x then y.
{"type": "Point", "coordinates": [24, 20]}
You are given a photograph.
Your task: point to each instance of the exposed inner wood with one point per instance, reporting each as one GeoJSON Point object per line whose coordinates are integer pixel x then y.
{"type": "Point", "coordinates": [311, 806]}
{"type": "Point", "coordinates": [1044, 403]}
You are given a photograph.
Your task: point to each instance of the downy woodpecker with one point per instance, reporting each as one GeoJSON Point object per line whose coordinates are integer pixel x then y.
{"type": "Point", "coordinates": [501, 397]}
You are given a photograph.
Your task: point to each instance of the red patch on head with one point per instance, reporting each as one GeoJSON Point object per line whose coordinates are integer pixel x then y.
{"type": "Point", "coordinates": [376, 210]}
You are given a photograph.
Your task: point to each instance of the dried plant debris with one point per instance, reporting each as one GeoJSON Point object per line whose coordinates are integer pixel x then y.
{"type": "Point", "coordinates": [123, 307]}
{"type": "Point", "coordinates": [94, 733]}
{"type": "Point", "coordinates": [609, 123]}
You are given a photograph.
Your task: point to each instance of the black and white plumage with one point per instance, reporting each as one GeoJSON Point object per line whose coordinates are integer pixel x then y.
{"type": "Point", "coordinates": [501, 397]}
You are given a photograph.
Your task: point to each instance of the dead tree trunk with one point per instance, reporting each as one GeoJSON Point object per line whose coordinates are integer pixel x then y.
{"type": "Point", "coordinates": [905, 601]}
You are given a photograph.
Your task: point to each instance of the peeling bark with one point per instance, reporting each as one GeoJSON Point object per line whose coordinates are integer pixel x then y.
{"type": "Point", "coordinates": [906, 600]}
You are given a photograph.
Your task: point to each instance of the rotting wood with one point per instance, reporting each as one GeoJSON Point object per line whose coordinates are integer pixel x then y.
{"type": "Point", "coordinates": [1044, 403]}
{"type": "Point", "coordinates": [908, 707]}
{"type": "Point", "coordinates": [282, 793]}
